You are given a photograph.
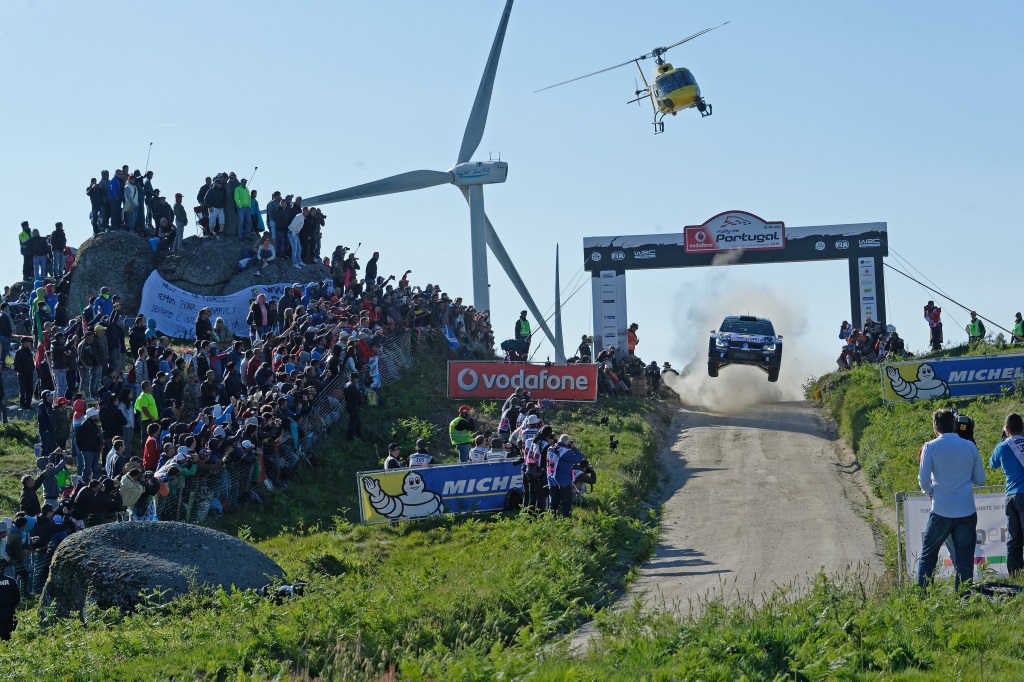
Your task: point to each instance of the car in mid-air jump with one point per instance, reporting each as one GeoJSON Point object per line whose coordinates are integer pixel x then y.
{"type": "Point", "coordinates": [745, 340]}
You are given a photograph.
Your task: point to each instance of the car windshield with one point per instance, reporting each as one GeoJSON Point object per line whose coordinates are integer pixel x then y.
{"type": "Point", "coordinates": [674, 81]}
{"type": "Point", "coordinates": [759, 327]}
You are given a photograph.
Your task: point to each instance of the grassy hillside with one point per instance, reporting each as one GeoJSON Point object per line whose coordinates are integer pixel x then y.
{"type": "Point", "coordinates": [429, 599]}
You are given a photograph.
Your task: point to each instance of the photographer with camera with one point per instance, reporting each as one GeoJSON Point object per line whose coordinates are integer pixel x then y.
{"type": "Point", "coordinates": [562, 457]}
{"type": "Point", "coordinates": [1008, 455]}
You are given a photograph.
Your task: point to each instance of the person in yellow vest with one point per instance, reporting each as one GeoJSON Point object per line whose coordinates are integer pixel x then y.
{"type": "Point", "coordinates": [523, 330]}
{"type": "Point", "coordinates": [632, 339]}
{"type": "Point", "coordinates": [975, 329]}
{"type": "Point", "coordinates": [23, 237]}
{"type": "Point", "coordinates": [1018, 330]}
{"type": "Point", "coordinates": [461, 432]}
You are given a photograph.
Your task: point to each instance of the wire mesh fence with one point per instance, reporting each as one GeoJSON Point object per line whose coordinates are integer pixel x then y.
{"type": "Point", "coordinates": [195, 498]}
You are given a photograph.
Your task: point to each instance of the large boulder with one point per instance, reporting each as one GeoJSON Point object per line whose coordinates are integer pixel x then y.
{"type": "Point", "coordinates": [111, 565]}
{"type": "Point", "coordinates": [278, 271]}
{"type": "Point", "coordinates": [204, 264]}
{"type": "Point", "coordinates": [119, 260]}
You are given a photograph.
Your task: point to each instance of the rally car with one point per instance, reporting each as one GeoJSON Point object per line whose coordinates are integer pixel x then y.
{"type": "Point", "coordinates": [745, 340]}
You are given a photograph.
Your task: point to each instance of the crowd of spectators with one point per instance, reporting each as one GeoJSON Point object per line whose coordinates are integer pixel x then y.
{"type": "Point", "coordinates": [872, 344]}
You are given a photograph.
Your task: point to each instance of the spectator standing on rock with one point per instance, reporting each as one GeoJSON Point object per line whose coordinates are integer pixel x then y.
{"type": "Point", "coordinates": [933, 315]}
{"type": "Point", "coordinates": [115, 193]}
{"type": "Point", "coordinates": [180, 221]}
{"type": "Point", "coordinates": [24, 367]}
{"type": "Point", "coordinates": [26, 255]}
{"type": "Point", "coordinates": [39, 248]}
{"type": "Point", "coordinates": [58, 242]}
{"type": "Point", "coordinates": [131, 203]}
{"type": "Point", "coordinates": [632, 339]}
{"type": "Point", "coordinates": [215, 200]}
{"type": "Point", "coordinates": [97, 194]}
{"type": "Point", "coordinates": [243, 209]}
{"type": "Point", "coordinates": [949, 465]}
{"type": "Point", "coordinates": [975, 329]}
{"type": "Point", "coordinates": [230, 216]}
{"type": "Point", "coordinates": [294, 228]}
{"type": "Point", "coordinates": [6, 332]}
{"type": "Point", "coordinates": [1008, 455]}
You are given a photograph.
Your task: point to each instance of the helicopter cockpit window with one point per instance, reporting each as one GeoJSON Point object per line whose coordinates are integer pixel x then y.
{"type": "Point", "coordinates": [675, 81]}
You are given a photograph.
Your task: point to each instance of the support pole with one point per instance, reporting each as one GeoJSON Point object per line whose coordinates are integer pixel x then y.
{"type": "Point", "coordinates": [559, 344]}
{"type": "Point", "coordinates": [478, 247]}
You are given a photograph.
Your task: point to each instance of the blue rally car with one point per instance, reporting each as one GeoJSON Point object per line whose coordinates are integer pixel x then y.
{"type": "Point", "coordinates": [745, 340]}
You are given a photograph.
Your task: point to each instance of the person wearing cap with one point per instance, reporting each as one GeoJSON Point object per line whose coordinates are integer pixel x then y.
{"type": "Point", "coordinates": [180, 221]}
{"type": "Point", "coordinates": [586, 350]}
{"type": "Point", "coordinates": [421, 458]}
{"type": "Point", "coordinates": [90, 441]}
{"type": "Point", "coordinates": [392, 461]}
{"type": "Point", "coordinates": [460, 432]}
{"type": "Point", "coordinates": [24, 367]}
{"type": "Point", "coordinates": [975, 329]}
{"type": "Point", "coordinates": [522, 332]}
{"type": "Point", "coordinates": [562, 457]}
{"type": "Point", "coordinates": [44, 421]}
{"type": "Point", "coordinates": [535, 449]}
{"type": "Point", "coordinates": [632, 339]}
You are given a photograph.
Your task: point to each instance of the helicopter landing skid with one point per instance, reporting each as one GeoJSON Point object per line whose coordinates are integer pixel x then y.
{"type": "Point", "coordinates": [659, 124]}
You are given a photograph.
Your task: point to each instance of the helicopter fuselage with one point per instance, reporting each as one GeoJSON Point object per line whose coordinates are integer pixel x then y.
{"type": "Point", "coordinates": [674, 89]}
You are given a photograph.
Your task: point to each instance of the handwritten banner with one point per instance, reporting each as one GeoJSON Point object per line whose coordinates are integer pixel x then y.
{"type": "Point", "coordinates": [175, 310]}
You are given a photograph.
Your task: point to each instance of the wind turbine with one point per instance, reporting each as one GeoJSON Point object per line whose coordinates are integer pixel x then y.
{"type": "Point", "coordinates": [470, 177]}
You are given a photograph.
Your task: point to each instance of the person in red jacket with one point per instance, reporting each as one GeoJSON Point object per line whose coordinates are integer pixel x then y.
{"type": "Point", "coordinates": [151, 448]}
{"type": "Point", "coordinates": [933, 315]}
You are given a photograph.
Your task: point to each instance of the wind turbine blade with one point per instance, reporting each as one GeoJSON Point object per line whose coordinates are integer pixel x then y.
{"type": "Point", "coordinates": [478, 116]}
{"type": "Point", "coordinates": [501, 255]}
{"type": "Point", "coordinates": [403, 182]}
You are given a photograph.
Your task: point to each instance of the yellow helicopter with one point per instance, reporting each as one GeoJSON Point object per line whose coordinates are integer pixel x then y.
{"type": "Point", "coordinates": [672, 91]}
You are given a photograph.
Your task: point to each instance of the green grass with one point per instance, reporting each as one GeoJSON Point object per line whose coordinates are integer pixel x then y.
{"type": "Point", "coordinates": [17, 457]}
{"type": "Point", "coordinates": [418, 598]}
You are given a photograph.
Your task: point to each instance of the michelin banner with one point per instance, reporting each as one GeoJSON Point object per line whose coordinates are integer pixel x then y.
{"type": "Point", "coordinates": [175, 310]}
{"type": "Point", "coordinates": [990, 543]}
{"type": "Point", "coordinates": [419, 492]}
{"type": "Point", "coordinates": [950, 377]}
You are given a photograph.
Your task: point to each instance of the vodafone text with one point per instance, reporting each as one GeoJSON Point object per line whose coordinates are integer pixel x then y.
{"type": "Point", "coordinates": [469, 379]}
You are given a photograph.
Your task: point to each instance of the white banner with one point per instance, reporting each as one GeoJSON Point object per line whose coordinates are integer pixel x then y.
{"type": "Point", "coordinates": [990, 546]}
{"type": "Point", "coordinates": [175, 310]}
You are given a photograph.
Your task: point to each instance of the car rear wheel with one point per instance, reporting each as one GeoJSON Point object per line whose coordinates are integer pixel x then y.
{"type": "Point", "coordinates": [773, 374]}
{"type": "Point", "coordinates": [712, 369]}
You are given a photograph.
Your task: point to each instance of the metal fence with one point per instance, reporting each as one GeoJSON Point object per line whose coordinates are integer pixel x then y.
{"type": "Point", "coordinates": [195, 498]}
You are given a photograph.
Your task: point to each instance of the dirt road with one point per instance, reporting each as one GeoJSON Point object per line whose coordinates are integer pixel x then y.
{"type": "Point", "coordinates": [752, 500]}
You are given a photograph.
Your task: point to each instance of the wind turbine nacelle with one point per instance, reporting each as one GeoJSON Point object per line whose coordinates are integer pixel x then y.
{"type": "Point", "coordinates": [480, 173]}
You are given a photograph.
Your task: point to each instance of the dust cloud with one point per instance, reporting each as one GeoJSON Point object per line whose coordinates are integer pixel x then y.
{"type": "Point", "coordinates": [700, 309]}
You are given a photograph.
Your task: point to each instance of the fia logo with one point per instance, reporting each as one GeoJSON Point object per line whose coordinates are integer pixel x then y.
{"type": "Point", "coordinates": [618, 255]}
{"type": "Point", "coordinates": [842, 244]}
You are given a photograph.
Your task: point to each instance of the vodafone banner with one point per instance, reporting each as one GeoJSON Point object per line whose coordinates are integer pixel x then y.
{"type": "Point", "coordinates": [483, 379]}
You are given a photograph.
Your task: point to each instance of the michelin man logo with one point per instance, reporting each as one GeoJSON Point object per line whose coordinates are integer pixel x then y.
{"type": "Point", "coordinates": [414, 502]}
{"type": "Point", "coordinates": [926, 386]}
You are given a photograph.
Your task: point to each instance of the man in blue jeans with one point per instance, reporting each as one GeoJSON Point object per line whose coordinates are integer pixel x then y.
{"type": "Point", "coordinates": [1009, 456]}
{"type": "Point", "coordinates": [949, 466]}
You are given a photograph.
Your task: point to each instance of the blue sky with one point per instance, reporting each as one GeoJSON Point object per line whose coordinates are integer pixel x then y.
{"type": "Point", "coordinates": [824, 113]}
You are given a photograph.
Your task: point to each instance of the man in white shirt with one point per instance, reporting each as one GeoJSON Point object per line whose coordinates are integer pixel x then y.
{"type": "Point", "coordinates": [949, 467]}
{"type": "Point", "coordinates": [293, 236]}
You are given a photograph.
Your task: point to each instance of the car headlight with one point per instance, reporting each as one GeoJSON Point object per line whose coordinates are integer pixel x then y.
{"type": "Point", "coordinates": [721, 342]}
{"type": "Point", "coordinates": [769, 346]}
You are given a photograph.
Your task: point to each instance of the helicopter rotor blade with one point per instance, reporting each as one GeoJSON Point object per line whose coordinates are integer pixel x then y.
{"type": "Point", "coordinates": [478, 116]}
{"type": "Point", "coordinates": [695, 35]}
{"type": "Point", "coordinates": [571, 80]}
{"type": "Point", "coordinates": [403, 182]}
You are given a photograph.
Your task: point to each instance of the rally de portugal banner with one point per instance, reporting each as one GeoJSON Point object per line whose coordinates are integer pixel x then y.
{"type": "Point", "coordinates": [950, 377]}
{"type": "Point", "coordinates": [482, 379]}
{"type": "Point", "coordinates": [990, 543]}
{"type": "Point", "coordinates": [419, 492]}
{"type": "Point", "coordinates": [175, 310]}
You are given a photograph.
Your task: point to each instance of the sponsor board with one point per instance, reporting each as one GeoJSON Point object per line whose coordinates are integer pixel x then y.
{"type": "Point", "coordinates": [990, 537]}
{"type": "Point", "coordinates": [482, 379]}
{"type": "Point", "coordinates": [868, 307]}
{"type": "Point", "coordinates": [420, 492]}
{"type": "Point", "coordinates": [950, 377]}
{"type": "Point", "coordinates": [735, 230]}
